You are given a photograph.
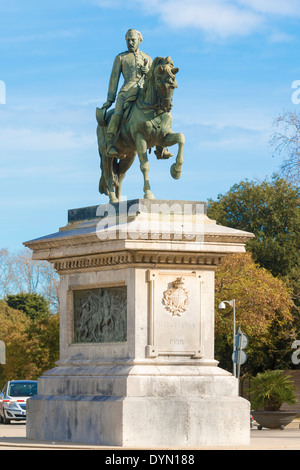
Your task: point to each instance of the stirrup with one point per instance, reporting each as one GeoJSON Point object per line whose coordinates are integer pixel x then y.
{"type": "Point", "coordinates": [111, 151]}
{"type": "Point", "coordinates": [164, 154]}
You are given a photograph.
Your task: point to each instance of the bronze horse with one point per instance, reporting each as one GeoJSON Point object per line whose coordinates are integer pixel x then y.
{"type": "Point", "coordinates": [147, 125]}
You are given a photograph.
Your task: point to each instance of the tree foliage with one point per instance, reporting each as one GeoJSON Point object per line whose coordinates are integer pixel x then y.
{"type": "Point", "coordinates": [32, 344]}
{"type": "Point", "coordinates": [263, 311]}
{"type": "Point", "coordinates": [34, 306]}
{"type": "Point", "coordinates": [27, 324]}
{"type": "Point", "coordinates": [270, 210]}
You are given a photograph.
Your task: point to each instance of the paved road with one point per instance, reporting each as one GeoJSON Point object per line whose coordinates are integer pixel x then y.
{"type": "Point", "coordinates": [13, 437]}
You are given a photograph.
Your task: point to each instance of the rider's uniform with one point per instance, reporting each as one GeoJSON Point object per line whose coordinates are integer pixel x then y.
{"type": "Point", "coordinates": [129, 64]}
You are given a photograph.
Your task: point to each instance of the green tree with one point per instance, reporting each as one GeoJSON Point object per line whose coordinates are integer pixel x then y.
{"type": "Point", "coordinates": [270, 210]}
{"type": "Point", "coordinates": [34, 306]}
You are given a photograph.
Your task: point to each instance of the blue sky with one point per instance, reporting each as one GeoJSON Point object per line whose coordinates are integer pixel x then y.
{"type": "Point", "coordinates": [237, 60]}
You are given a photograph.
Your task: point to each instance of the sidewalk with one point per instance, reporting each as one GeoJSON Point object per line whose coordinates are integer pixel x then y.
{"type": "Point", "coordinates": [13, 437]}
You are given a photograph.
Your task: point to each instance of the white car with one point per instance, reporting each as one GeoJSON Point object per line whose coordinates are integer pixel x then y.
{"type": "Point", "coordinates": [13, 399]}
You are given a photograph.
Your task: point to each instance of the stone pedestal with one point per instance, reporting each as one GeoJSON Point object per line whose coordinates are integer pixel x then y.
{"type": "Point", "coordinates": [137, 363]}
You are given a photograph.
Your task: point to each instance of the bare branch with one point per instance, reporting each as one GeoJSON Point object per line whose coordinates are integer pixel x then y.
{"type": "Point", "coordinates": [286, 143]}
{"type": "Point", "coordinates": [20, 273]}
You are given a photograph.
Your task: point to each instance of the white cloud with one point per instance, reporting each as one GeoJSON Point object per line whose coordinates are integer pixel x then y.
{"type": "Point", "coordinates": [12, 139]}
{"type": "Point", "coordinates": [290, 8]}
{"type": "Point", "coordinates": [219, 18]}
{"type": "Point", "coordinates": [280, 36]}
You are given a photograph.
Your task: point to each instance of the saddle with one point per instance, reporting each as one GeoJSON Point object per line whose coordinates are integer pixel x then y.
{"type": "Point", "coordinates": [103, 116]}
{"type": "Point", "coordinates": [131, 96]}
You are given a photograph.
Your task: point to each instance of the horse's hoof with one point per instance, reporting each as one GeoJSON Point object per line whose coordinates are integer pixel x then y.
{"type": "Point", "coordinates": [149, 195]}
{"type": "Point", "coordinates": [175, 173]}
{"type": "Point", "coordinates": [113, 199]}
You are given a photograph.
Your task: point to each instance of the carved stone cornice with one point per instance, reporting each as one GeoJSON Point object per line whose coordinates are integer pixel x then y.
{"type": "Point", "coordinates": [77, 238]}
{"type": "Point", "coordinates": [137, 259]}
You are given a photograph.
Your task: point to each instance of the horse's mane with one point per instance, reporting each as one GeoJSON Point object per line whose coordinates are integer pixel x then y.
{"type": "Point", "coordinates": [150, 75]}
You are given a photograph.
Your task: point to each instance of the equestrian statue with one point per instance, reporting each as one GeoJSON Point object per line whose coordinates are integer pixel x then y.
{"type": "Point", "coordinates": [140, 120]}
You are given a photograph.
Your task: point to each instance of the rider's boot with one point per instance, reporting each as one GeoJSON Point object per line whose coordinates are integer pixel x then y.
{"type": "Point", "coordinates": [162, 153]}
{"type": "Point", "coordinates": [111, 149]}
{"type": "Point", "coordinates": [112, 130]}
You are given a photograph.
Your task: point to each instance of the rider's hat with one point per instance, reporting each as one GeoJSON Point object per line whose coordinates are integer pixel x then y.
{"type": "Point", "coordinates": [100, 116]}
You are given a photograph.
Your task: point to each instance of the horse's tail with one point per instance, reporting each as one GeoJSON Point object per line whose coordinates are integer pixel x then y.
{"type": "Point", "coordinates": [102, 146]}
{"type": "Point", "coordinates": [103, 187]}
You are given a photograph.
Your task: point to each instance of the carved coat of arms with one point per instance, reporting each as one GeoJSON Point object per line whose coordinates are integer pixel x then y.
{"type": "Point", "coordinates": [176, 298]}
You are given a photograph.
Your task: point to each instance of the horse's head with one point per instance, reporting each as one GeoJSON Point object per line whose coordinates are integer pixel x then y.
{"type": "Point", "coordinates": [161, 77]}
{"type": "Point", "coordinates": [165, 79]}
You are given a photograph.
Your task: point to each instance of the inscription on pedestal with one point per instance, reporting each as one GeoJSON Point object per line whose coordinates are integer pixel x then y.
{"type": "Point", "coordinates": [100, 315]}
{"type": "Point", "coordinates": [174, 314]}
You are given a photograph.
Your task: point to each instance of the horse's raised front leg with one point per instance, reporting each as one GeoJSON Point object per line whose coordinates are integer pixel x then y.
{"type": "Point", "coordinates": [141, 146]}
{"type": "Point", "coordinates": [171, 139]}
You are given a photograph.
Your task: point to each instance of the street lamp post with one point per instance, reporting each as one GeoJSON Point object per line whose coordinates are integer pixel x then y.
{"type": "Point", "coordinates": [222, 306]}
